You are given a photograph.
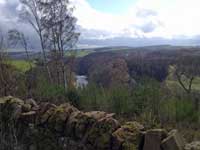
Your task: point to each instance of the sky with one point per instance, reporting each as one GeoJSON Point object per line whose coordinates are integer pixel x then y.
{"type": "Point", "coordinates": [111, 6]}
{"type": "Point", "coordinates": [140, 18]}
{"type": "Point", "coordinates": [109, 19]}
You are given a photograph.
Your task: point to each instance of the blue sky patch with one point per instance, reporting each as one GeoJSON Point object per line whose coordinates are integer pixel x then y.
{"type": "Point", "coordinates": [112, 6]}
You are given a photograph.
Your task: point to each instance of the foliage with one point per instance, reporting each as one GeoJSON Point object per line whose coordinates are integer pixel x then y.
{"type": "Point", "coordinates": [140, 63]}
{"type": "Point", "coordinates": [43, 90]}
{"type": "Point", "coordinates": [48, 91]}
{"type": "Point", "coordinates": [121, 99]}
{"type": "Point", "coordinates": [95, 100]}
{"type": "Point", "coordinates": [59, 31]}
{"type": "Point", "coordinates": [111, 73]}
{"type": "Point", "coordinates": [73, 97]}
{"type": "Point", "coordinates": [148, 101]}
{"type": "Point", "coordinates": [11, 81]}
{"type": "Point", "coordinates": [179, 110]}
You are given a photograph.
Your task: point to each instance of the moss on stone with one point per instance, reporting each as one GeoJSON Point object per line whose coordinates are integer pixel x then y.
{"type": "Point", "coordinates": [129, 136]}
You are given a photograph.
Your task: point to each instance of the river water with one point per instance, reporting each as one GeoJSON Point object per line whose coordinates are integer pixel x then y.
{"type": "Point", "coordinates": [81, 81]}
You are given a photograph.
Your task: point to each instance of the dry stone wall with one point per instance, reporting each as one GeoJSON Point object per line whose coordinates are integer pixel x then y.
{"type": "Point", "coordinates": [25, 125]}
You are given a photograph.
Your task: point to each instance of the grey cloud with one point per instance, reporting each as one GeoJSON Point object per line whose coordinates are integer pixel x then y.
{"type": "Point", "coordinates": [9, 20]}
{"type": "Point", "coordinates": [148, 27]}
{"type": "Point", "coordinates": [150, 18]}
{"type": "Point", "coordinates": [92, 33]}
{"type": "Point", "coordinates": [9, 9]}
{"type": "Point", "coordinates": [9, 14]}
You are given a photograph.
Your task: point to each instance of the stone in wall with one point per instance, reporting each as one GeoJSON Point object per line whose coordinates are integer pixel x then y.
{"type": "Point", "coordinates": [29, 126]}
{"type": "Point", "coordinates": [193, 146]}
{"type": "Point", "coordinates": [153, 139]}
{"type": "Point", "coordinates": [128, 136]}
{"type": "Point", "coordinates": [174, 141]}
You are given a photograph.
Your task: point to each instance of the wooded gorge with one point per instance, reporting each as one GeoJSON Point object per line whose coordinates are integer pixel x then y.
{"type": "Point", "coordinates": [105, 98]}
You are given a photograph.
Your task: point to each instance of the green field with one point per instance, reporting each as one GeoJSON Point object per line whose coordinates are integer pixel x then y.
{"type": "Point", "coordinates": [21, 65]}
{"type": "Point", "coordinates": [79, 53]}
{"type": "Point", "coordinates": [174, 84]}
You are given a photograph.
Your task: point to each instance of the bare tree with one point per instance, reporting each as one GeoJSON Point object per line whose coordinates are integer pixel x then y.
{"type": "Point", "coordinates": [1, 41]}
{"type": "Point", "coordinates": [187, 69]}
{"type": "Point", "coordinates": [15, 38]}
{"type": "Point", "coordinates": [3, 89]}
{"type": "Point", "coordinates": [32, 13]}
{"type": "Point", "coordinates": [7, 79]}
{"type": "Point", "coordinates": [3, 45]}
{"type": "Point", "coordinates": [71, 62]}
{"type": "Point", "coordinates": [59, 25]}
{"type": "Point", "coordinates": [55, 25]}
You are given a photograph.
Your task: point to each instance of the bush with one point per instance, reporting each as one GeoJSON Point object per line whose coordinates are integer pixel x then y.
{"type": "Point", "coordinates": [42, 88]}
{"type": "Point", "coordinates": [179, 110]}
{"type": "Point", "coordinates": [122, 100]}
{"type": "Point", "coordinates": [147, 96]}
{"type": "Point", "coordinates": [93, 97]}
{"type": "Point", "coordinates": [73, 97]}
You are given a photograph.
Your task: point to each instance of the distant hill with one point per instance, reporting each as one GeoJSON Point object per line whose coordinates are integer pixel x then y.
{"type": "Point", "coordinates": [141, 42]}
{"type": "Point", "coordinates": [119, 49]}
{"type": "Point", "coordinates": [20, 55]}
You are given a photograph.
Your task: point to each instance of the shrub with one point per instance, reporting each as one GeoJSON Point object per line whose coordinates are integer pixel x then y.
{"type": "Point", "coordinates": [120, 100]}
{"type": "Point", "coordinates": [179, 110]}
{"type": "Point", "coordinates": [93, 97]}
{"type": "Point", "coordinates": [73, 97]}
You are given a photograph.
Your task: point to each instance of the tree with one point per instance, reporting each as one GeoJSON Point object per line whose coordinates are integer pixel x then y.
{"type": "Point", "coordinates": [15, 38]}
{"type": "Point", "coordinates": [59, 24]}
{"type": "Point", "coordinates": [119, 72]}
{"type": "Point", "coordinates": [186, 70]}
{"type": "Point", "coordinates": [70, 63]}
{"type": "Point", "coordinates": [148, 65]}
{"type": "Point", "coordinates": [3, 72]}
{"type": "Point", "coordinates": [32, 13]}
{"type": "Point", "coordinates": [8, 74]}
{"type": "Point", "coordinates": [1, 41]}
{"type": "Point", "coordinates": [3, 45]}
{"type": "Point", "coordinates": [111, 73]}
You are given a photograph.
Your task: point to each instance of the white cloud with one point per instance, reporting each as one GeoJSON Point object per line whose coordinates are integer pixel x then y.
{"type": "Point", "coordinates": [183, 18]}
{"type": "Point", "coordinates": [149, 18]}
{"type": "Point", "coordinates": [90, 18]}
{"type": "Point", "coordinates": [135, 22]}
{"type": "Point", "coordinates": [2, 1]}
{"type": "Point", "coordinates": [146, 18]}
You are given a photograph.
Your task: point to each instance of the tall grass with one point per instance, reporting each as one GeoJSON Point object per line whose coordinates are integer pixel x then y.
{"type": "Point", "coordinates": [147, 101]}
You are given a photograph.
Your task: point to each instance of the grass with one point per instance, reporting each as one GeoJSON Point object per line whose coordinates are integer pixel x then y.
{"type": "Point", "coordinates": [79, 53]}
{"type": "Point", "coordinates": [21, 65]}
{"type": "Point", "coordinates": [174, 84]}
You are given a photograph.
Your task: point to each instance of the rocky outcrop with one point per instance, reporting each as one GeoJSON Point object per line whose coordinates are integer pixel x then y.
{"type": "Point", "coordinates": [29, 126]}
